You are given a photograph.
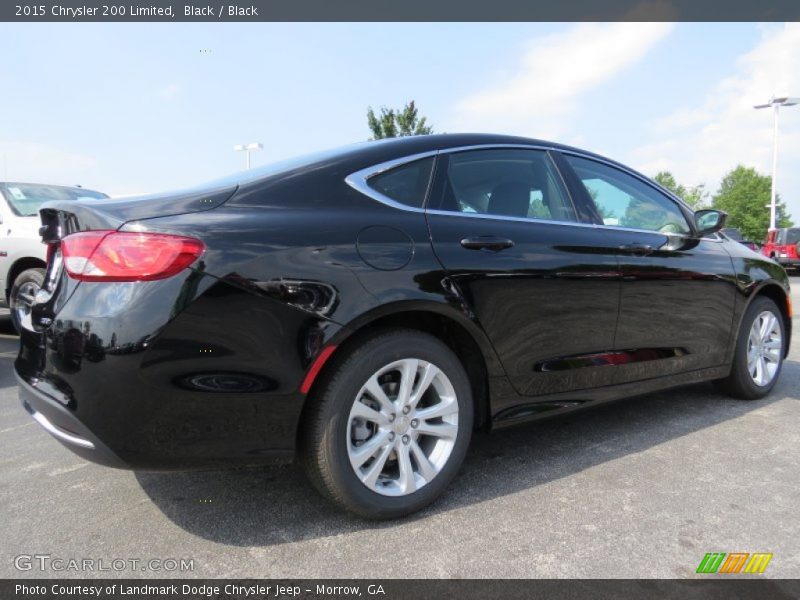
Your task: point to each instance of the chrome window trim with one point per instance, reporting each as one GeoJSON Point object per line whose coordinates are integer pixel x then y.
{"type": "Point", "coordinates": [358, 181]}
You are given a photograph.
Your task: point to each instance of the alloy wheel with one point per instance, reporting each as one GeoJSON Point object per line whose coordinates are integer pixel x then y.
{"type": "Point", "coordinates": [764, 348]}
{"type": "Point", "coordinates": [402, 427]}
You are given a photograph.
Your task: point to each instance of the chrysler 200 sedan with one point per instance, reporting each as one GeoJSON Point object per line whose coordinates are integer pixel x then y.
{"type": "Point", "coordinates": [367, 309]}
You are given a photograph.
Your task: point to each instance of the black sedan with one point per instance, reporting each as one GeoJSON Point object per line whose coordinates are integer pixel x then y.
{"type": "Point", "coordinates": [366, 309]}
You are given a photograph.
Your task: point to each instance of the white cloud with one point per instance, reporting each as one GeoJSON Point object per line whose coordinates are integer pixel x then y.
{"type": "Point", "coordinates": [44, 163]}
{"type": "Point", "coordinates": [555, 70]}
{"type": "Point", "coordinates": [169, 91]}
{"type": "Point", "coordinates": [700, 143]}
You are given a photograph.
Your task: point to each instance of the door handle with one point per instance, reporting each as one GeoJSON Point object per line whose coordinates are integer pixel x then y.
{"type": "Point", "coordinates": [636, 249]}
{"type": "Point", "coordinates": [486, 242]}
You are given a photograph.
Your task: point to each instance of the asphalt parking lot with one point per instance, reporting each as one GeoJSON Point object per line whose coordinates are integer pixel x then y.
{"type": "Point", "coordinates": [641, 488]}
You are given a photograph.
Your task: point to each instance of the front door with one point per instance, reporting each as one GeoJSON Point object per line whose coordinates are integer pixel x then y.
{"type": "Point", "coordinates": [678, 291]}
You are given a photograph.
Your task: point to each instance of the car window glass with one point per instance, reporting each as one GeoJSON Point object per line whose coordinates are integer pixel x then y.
{"type": "Point", "coordinates": [26, 198]}
{"type": "Point", "coordinates": [407, 184]}
{"type": "Point", "coordinates": [625, 201]}
{"type": "Point", "coordinates": [505, 182]}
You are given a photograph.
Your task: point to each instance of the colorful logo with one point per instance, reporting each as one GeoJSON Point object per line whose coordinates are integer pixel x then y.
{"type": "Point", "coordinates": [716, 562]}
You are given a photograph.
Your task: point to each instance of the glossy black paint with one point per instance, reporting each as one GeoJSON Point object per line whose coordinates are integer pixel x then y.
{"type": "Point", "coordinates": [206, 367]}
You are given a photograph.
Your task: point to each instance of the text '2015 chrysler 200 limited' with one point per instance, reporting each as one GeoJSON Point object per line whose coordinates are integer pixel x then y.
{"type": "Point", "coordinates": [368, 308]}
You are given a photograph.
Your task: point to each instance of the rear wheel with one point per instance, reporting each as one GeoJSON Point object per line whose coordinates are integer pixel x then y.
{"type": "Point", "coordinates": [23, 292]}
{"type": "Point", "coordinates": [759, 352]}
{"type": "Point", "coordinates": [390, 425]}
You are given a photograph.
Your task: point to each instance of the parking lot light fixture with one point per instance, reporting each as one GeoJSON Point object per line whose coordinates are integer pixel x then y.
{"type": "Point", "coordinates": [776, 104]}
{"type": "Point", "coordinates": [247, 148]}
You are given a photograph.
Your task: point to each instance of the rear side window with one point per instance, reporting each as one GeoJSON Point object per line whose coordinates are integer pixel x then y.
{"type": "Point", "coordinates": [505, 182]}
{"type": "Point", "coordinates": [406, 184]}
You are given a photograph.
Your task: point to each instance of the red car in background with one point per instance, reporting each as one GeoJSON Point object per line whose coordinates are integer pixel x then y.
{"type": "Point", "coordinates": [783, 245]}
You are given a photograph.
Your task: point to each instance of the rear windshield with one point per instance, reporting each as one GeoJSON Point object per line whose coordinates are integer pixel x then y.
{"type": "Point", "coordinates": [26, 198]}
{"type": "Point", "coordinates": [290, 164]}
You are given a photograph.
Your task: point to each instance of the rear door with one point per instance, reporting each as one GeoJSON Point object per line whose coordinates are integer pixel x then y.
{"type": "Point", "coordinates": [678, 291]}
{"type": "Point", "coordinates": [543, 285]}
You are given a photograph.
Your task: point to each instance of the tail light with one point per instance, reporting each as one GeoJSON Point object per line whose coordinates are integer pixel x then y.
{"type": "Point", "coordinates": [127, 256]}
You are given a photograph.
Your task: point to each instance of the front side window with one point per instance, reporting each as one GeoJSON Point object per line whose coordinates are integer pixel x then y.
{"type": "Point", "coordinates": [792, 236]}
{"type": "Point", "coordinates": [407, 184]}
{"type": "Point", "coordinates": [504, 182]}
{"type": "Point", "coordinates": [625, 201]}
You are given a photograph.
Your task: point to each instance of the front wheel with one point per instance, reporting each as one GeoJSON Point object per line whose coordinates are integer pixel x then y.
{"type": "Point", "coordinates": [759, 352]}
{"type": "Point", "coordinates": [24, 290]}
{"type": "Point", "coordinates": [389, 427]}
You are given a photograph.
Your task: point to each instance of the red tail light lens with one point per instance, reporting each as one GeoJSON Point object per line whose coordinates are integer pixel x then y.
{"type": "Point", "coordinates": [127, 256]}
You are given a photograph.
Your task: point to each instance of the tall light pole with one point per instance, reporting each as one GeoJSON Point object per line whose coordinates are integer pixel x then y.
{"type": "Point", "coordinates": [247, 148]}
{"type": "Point", "coordinates": [776, 104]}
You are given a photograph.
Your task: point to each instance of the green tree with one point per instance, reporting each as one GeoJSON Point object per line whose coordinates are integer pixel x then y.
{"type": "Point", "coordinates": [695, 196]}
{"type": "Point", "coordinates": [397, 123]}
{"type": "Point", "coordinates": [745, 194]}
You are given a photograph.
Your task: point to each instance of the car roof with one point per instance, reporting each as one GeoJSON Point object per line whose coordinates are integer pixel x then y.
{"type": "Point", "coordinates": [364, 154]}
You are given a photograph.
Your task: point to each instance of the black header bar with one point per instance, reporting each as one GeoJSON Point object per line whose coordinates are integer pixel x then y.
{"type": "Point", "coordinates": [398, 11]}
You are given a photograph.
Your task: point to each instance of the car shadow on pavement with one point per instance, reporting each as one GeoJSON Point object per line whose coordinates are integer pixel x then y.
{"type": "Point", "coordinates": [276, 505]}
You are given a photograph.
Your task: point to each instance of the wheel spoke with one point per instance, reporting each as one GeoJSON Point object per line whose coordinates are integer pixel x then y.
{"type": "Point", "coordinates": [441, 430]}
{"type": "Point", "coordinates": [408, 373]}
{"type": "Point", "coordinates": [406, 479]}
{"type": "Point", "coordinates": [444, 408]}
{"type": "Point", "coordinates": [370, 478]}
{"type": "Point", "coordinates": [429, 373]}
{"type": "Point", "coordinates": [361, 454]}
{"type": "Point", "coordinates": [761, 369]}
{"type": "Point", "coordinates": [426, 469]}
{"type": "Point", "coordinates": [374, 389]}
{"type": "Point", "coordinates": [766, 326]}
{"type": "Point", "coordinates": [370, 414]}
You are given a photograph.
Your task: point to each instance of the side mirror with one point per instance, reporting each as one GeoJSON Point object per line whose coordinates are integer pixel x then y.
{"type": "Point", "coordinates": [709, 221]}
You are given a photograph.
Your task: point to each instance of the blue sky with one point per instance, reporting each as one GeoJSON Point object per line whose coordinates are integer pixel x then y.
{"type": "Point", "coordinates": [129, 108]}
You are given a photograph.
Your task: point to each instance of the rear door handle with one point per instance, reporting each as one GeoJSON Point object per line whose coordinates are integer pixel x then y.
{"type": "Point", "coordinates": [486, 242]}
{"type": "Point", "coordinates": [636, 249]}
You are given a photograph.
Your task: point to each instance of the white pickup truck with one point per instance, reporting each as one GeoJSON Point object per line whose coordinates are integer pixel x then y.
{"type": "Point", "coordinates": [22, 254]}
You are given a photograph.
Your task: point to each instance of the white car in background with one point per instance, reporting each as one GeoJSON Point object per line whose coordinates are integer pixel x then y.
{"type": "Point", "coordinates": [22, 254]}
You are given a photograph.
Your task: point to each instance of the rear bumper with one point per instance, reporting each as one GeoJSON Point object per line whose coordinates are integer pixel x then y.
{"type": "Point", "coordinates": [172, 374]}
{"type": "Point", "coordinates": [62, 425]}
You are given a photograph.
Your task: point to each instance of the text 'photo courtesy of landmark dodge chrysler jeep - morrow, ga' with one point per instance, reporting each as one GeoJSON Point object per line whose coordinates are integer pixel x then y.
{"type": "Point", "coordinates": [367, 309]}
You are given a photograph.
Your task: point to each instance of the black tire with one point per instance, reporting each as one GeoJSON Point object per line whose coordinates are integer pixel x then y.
{"type": "Point", "coordinates": [740, 384]}
{"type": "Point", "coordinates": [324, 441]}
{"type": "Point", "coordinates": [24, 282]}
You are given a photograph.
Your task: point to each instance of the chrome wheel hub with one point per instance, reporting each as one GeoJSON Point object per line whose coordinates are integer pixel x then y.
{"type": "Point", "coordinates": [402, 427]}
{"type": "Point", "coordinates": [764, 348]}
{"type": "Point", "coordinates": [24, 299]}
